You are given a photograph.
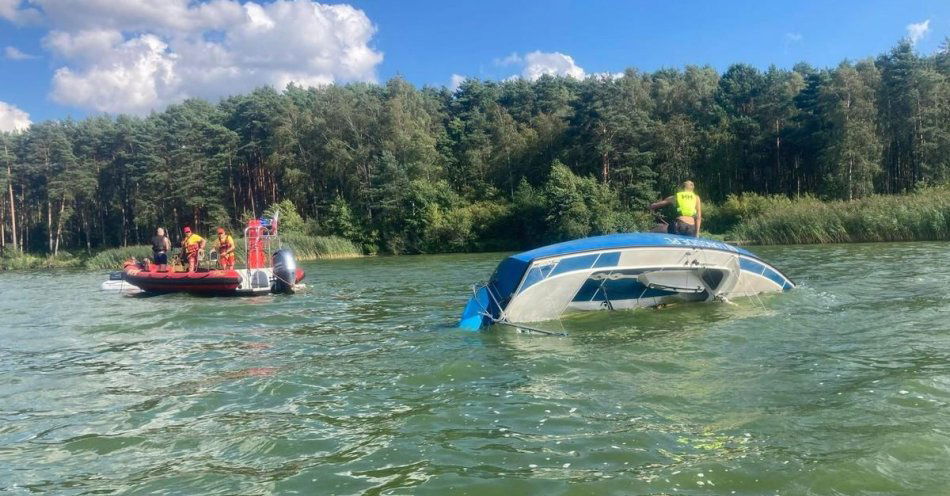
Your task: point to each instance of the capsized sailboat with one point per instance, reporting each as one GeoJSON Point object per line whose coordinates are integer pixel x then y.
{"type": "Point", "coordinates": [617, 271]}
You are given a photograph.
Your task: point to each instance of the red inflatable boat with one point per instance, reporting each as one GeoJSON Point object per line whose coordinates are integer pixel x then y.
{"type": "Point", "coordinates": [209, 281]}
{"type": "Point", "coordinates": [203, 281]}
{"type": "Point", "coordinates": [276, 274]}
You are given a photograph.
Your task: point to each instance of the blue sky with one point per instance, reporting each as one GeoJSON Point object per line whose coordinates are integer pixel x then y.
{"type": "Point", "coordinates": [78, 57]}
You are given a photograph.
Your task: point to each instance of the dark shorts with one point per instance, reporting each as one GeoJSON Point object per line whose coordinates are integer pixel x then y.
{"type": "Point", "coordinates": [160, 258]}
{"type": "Point", "coordinates": [684, 229]}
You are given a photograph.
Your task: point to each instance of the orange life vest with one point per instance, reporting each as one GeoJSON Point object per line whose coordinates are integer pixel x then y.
{"type": "Point", "coordinates": [225, 246]}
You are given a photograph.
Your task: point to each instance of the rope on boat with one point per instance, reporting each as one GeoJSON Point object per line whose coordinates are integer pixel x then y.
{"type": "Point", "coordinates": [291, 284]}
{"type": "Point", "coordinates": [522, 327]}
{"type": "Point", "coordinates": [503, 318]}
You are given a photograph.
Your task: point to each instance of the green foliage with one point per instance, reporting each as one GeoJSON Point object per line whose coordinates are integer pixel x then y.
{"type": "Point", "coordinates": [113, 258]}
{"type": "Point", "coordinates": [320, 247]}
{"type": "Point", "coordinates": [853, 152]}
{"type": "Point", "coordinates": [304, 247]}
{"type": "Point", "coordinates": [924, 215]}
{"type": "Point", "coordinates": [568, 206]}
{"type": "Point", "coordinates": [578, 206]}
{"type": "Point", "coordinates": [290, 222]}
{"type": "Point", "coordinates": [340, 220]}
{"type": "Point", "coordinates": [29, 261]}
{"type": "Point", "coordinates": [738, 208]}
{"type": "Point", "coordinates": [479, 226]}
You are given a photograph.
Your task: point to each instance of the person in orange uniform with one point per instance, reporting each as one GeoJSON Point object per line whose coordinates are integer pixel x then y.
{"type": "Point", "coordinates": [225, 247]}
{"type": "Point", "coordinates": [191, 245]}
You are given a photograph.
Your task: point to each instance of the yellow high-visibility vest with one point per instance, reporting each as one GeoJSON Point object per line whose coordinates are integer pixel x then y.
{"type": "Point", "coordinates": [192, 243]}
{"type": "Point", "coordinates": [686, 203]}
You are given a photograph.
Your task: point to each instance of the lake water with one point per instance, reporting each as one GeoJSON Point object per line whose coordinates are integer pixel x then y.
{"type": "Point", "coordinates": [361, 386]}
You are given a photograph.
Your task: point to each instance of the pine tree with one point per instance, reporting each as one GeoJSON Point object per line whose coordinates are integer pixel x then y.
{"type": "Point", "coordinates": [853, 151]}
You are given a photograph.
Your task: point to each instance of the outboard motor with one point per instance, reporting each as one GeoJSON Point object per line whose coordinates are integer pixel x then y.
{"type": "Point", "coordinates": [285, 272]}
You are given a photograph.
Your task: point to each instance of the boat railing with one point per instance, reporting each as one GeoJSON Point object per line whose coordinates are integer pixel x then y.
{"type": "Point", "coordinates": [266, 235]}
{"type": "Point", "coordinates": [268, 240]}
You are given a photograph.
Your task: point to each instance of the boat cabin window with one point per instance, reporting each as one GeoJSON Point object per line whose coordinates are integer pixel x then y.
{"type": "Point", "coordinates": [713, 278]}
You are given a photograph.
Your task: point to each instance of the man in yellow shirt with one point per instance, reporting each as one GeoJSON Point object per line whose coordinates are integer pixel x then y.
{"type": "Point", "coordinates": [191, 245]}
{"type": "Point", "coordinates": [225, 246]}
{"type": "Point", "coordinates": [689, 208]}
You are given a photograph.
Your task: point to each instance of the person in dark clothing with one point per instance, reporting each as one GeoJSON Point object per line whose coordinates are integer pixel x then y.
{"type": "Point", "coordinates": [160, 248]}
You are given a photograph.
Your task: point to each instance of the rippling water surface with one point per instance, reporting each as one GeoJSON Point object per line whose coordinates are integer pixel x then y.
{"type": "Point", "coordinates": [361, 386]}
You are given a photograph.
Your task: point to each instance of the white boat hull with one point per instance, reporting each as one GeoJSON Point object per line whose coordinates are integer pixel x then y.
{"type": "Point", "coordinates": [616, 272]}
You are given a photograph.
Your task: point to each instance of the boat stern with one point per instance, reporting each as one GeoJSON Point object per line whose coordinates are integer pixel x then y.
{"type": "Point", "coordinates": [474, 316]}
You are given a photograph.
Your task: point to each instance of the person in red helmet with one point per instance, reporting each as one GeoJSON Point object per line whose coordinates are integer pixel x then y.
{"type": "Point", "coordinates": [225, 246]}
{"type": "Point", "coordinates": [191, 245]}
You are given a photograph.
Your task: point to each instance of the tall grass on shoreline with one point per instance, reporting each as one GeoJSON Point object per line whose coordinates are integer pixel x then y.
{"type": "Point", "coordinates": [114, 257]}
{"type": "Point", "coordinates": [31, 261]}
{"type": "Point", "coordinates": [320, 247]}
{"type": "Point", "coordinates": [920, 216]}
{"type": "Point", "coordinates": [304, 248]}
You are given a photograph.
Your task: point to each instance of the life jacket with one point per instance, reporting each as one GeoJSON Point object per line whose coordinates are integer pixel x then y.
{"type": "Point", "coordinates": [192, 243]}
{"type": "Point", "coordinates": [225, 246]}
{"type": "Point", "coordinates": [158, 243]}
{"type": "Point", "coordinates": [686, 203]}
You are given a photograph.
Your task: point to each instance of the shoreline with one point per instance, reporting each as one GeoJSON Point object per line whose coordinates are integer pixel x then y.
{"type": "Point", "coordinates": [79, 263]}
{"type": "Point", "coordinates": [743, 220]}
{"type": "Point", "coordinates": [306, 248]}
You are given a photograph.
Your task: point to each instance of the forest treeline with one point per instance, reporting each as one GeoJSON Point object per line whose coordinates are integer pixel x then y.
{"type": "Point", "coordinates": [492, 165]}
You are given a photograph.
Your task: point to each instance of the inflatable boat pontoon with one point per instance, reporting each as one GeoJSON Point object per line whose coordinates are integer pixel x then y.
{"type": "Point", "coordinates": [617, 271]}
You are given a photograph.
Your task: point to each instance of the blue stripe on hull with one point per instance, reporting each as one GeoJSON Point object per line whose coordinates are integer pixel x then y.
{"type": "Point", "coordinates": [623, 241]}
{"type": "Point", "coordinates": [765, 271]}
{"type": "Point", "coordinates": [570, 264]}
{"type": "Point", "coordinates": [608, 259]}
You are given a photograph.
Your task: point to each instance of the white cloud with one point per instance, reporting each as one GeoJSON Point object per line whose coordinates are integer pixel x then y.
{"type": "Point", "coordinates": [456, 81]}
{"type": "Point", "coordinates": [607, 76]}
{"type": "Point", "coordinates": [166, 17]}
{"type": "Point", "coordinates": [14, 53]}
{"type": "Point", "coordinates": [17, 12]}
{"type": "Point", "coordinates": [80, 45]}
{"type": "Point", "coordinates": [135, 76]}
{"type": "Point", "coordinates": [916, 31]}
{"type": "Point", "coordinates": [792, 39]}
{"type": "Point", "coordinates": [140, 55]}
{"type": "Point", "coordinates": [536, 64]}
{"type": "Point", "coordinates": [512, 59]}
{"type": "Point", "coordinates": [12, 118]}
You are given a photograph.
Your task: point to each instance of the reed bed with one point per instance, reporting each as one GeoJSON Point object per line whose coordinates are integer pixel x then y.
{"type": "Point", "coordinates": [114, 257]}
{"type": "Point", "coordinates": [920, 216]}
{"type": "Point", "coordinates": [321, 247]}
{"type": "Point", "coordinates": [304, 248]}
{"type": "Point", "coordinates": [29, 261]}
